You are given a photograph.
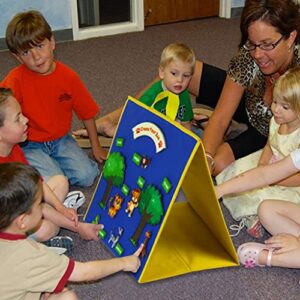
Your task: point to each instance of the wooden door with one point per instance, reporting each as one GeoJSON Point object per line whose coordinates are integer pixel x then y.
{"type": "Point", "coordinates": [165, 11]}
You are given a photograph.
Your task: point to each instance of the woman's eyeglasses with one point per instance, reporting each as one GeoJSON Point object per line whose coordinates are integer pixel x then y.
{"type": "Point", "coordinates": [266, 47]}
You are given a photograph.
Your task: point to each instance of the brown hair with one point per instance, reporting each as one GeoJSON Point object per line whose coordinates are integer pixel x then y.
{"type": "Point", "coordinates": [26, 30]}
{"type": "Point", "coordinates": [19, 184]}
{"type": "Point", "coordinates": [284, 15]}
{"type": "Point", "coordinates": [5, 93]}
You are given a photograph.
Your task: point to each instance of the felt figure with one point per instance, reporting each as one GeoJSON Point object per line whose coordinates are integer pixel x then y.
{"type": "Point", "coordinates": [134, 201]}
{"type": "Point", "coordinates": [145, 162]}
{"type": "Point", "coordinates": [115, 206]}
{"type": "Point", "coordinates": [115, 237]}
{"type": "Point", "coordinates": [146, 240]}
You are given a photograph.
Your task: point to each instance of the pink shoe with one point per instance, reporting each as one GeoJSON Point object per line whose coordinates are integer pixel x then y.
{"type": "Point", "coordinates": [248, 254]}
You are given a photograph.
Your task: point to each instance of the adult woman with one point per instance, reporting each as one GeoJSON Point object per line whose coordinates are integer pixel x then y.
{"type": "Point", "coordinates": [269, 46]}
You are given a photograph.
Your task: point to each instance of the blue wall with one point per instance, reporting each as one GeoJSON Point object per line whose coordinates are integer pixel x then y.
{"type": "Point", "coordinates": [57, 12]}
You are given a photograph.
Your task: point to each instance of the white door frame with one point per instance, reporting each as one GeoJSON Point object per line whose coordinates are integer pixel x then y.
{"type": "Point", "coordinates": [225, 9]}
{"type": "Point", "coordinates": [137, 23]}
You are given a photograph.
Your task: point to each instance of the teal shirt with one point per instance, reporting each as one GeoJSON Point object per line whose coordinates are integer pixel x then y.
{"type": "Point", "coordinates": [185, 110]}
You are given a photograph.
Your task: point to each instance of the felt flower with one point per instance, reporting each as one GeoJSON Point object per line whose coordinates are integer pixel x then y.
{"type": "Point", "coordinates": [249, 263]}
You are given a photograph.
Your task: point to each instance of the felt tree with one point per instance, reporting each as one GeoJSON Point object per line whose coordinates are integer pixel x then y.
{"type": "Point", "coordinates": [113, 173]}
{"type": "Point", "coordinates": [151, 210]}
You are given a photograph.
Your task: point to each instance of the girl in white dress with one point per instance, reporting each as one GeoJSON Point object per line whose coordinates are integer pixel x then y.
{"type": "Point", "coordinates": [280, 218]}
{"type": "Point", "coordinates": [284, 137]}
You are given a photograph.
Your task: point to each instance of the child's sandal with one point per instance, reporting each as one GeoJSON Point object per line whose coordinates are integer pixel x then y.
{"type": "Point", "coordinates": [84, 141]}
{"type": "Point", "coordinates": [248, 254]}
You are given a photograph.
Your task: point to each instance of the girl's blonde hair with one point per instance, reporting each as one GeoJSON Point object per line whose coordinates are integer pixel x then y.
{"type": "Point", "coordinates": [177, 51]}
{"type": "Point", "coordinates": [287, 88]}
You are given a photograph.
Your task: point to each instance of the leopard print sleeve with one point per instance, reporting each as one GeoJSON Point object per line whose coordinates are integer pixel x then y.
{"type": "Point", "coordinates": [242, 68]}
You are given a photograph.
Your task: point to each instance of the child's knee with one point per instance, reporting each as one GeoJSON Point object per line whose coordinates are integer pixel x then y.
{"type": "Point", "coordinates": [220, 165]}
{"type": "Point", "coordinates": [63, 181]}
{"type": "Point", "coordinates": [46, 231]}
{"type": "Point", "coordinates": [223, 158]}
{"type": "Point", "coordinates": [85, 177]}
{"type": "Point", "coordinates": [63, 186]}
{"type": "Point", "coordinates": [70, 295]}
{"type": "Point", "coordinates": [59, 184]}
{"type": "Point", "coordinates": [263, 209]}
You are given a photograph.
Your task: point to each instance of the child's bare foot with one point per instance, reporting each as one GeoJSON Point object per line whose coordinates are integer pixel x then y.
{"type": "Point", "coordinates": [89, 231]}
{"type": "Point", "coordinates": [200, 120]}
{"type": "Point", "coordinates": [106, 127]}
{"type": "Point", "coordinates": [80, 132]}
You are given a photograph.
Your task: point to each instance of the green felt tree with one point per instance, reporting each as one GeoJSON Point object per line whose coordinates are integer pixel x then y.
{"type": "Point", "coordinates": [151, 210]}
{"type": "Point", "coordinates": [113, 173]}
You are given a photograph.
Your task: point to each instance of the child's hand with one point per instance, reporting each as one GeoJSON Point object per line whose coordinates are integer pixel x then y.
{"type": "Point", "coordinates": [100, 154]}
{"type": "Point", "coordinates": [283, 242]}
{"type": "Point", "coordinates": [69, 213]}
{"type": "Point", "coordinates": [106, 126]}
{"type": "Point", "coordinates": [132, 262]}
{"type": "Point", "coordinates": [89, 231]}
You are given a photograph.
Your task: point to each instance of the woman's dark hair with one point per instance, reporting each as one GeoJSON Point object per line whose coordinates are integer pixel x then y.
{"type": "Point", "coordinates": [284, 15]}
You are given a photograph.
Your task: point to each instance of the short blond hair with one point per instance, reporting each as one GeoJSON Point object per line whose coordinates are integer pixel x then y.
{"type": "Point", "coordinates": [287, 88]}
{"type": "Point", "coordinates": [177, 51]}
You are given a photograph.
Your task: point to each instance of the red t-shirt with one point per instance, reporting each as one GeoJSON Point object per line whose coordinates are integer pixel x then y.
{"type": "Point", "coordinates": [16, 155]}
{"type": "Point", "coordinates": [48, 101]}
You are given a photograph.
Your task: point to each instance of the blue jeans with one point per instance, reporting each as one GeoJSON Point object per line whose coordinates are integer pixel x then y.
{"type": "Point", "coordinates": [62, 156]}
{"type": "Point", "coordinates": [198, 131]}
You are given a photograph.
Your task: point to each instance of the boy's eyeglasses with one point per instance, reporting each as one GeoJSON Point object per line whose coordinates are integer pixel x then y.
{"type": "Point", "coordinates": [266, 47]}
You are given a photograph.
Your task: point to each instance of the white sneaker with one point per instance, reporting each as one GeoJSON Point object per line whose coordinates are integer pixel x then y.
{"type": "Point", "coordinates": [74, 199]}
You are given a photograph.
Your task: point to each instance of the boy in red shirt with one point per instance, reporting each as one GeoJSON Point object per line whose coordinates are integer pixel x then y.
{"type": "Point", "coordinates": [13, 130]}
{"type": "Point", "coordinates": [49, 92]}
